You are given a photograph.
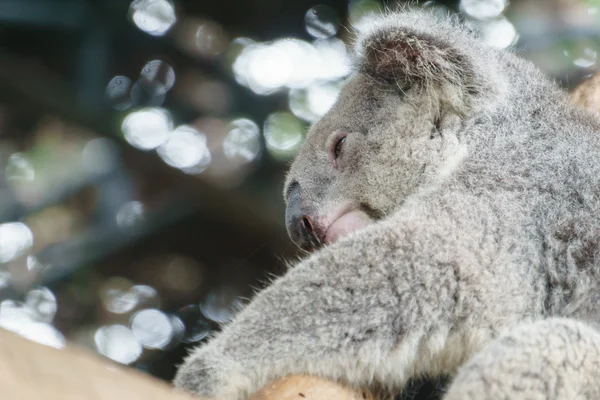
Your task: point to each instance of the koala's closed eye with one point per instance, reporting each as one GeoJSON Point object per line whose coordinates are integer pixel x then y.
{"type": "Point", "coordinates": [337, 147]}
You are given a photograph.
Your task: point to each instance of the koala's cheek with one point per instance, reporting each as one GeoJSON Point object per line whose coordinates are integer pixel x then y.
{"type": "Point", "coordinates": [347, 224]}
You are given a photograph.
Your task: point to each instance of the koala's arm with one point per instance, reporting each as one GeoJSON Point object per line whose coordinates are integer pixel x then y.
{"type": "Point", "coordinates": [549, 359]}
{"type": "Point", "coordinates": [416, 293]}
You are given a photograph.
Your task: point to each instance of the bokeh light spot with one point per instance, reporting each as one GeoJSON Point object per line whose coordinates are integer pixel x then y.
{"type": "Point", "coordinates": [130, 214]}
{"type": "Point", "coordinates": [221, 304]}
{"type": "Point", "coordinates": [160, 74]}
{"type": "Point", "coordinates": [313, 102]}
{"type": "Point", "coordinates": [268, 67]}
{"type": "Point", "coordinates": [152, 328]}
{"type": "Point", "coordinates": [20, 168]}
{"type": "Point", "coordinates": [483, 9]}
{"type": "Point", "coordinates": [196, 326]}
{"type": "Point", "coordinates": [146, 295]}
{"type": "Point", "coordinates": [284, 134]}
{"type": "Point", "coordinates": [34, 265]}
{"type": "Point", "coordinates": [147, 128]}
{"type": "Point", "coordinates": [332, 60]}
{"type": "Point", "coordinates": [186, 149]}
{"type": "Point", "coordinates": [362, 12]}
{"type": "Point", "coordinates": [118, 343]}
{"type": "Point", "coordinates": [242, 142]}
{"type": "Point", "coordinates": [583, 54]}
{"type": "Point", "coordinates": [19, 318]}
{"type": "Point", "coordinates": [43, 304]}
{"type": "Point", "coordinates": [154, 17]}
{"type": "Point", "coordinates": [117, 93]}
{"type": "Point", "coordinates": [15, 239]}
{"type": "Point", "coordinates": [498, 32]}
{"type": "Point", "coordinates": [117, 295]}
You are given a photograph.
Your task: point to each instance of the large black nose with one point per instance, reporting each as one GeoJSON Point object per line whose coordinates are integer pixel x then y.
{"type": "Point", "coordinates": [300, 219]}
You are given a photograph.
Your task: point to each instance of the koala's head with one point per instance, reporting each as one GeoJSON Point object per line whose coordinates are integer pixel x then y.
{"type": "Point", "coordinates": [395, 128]}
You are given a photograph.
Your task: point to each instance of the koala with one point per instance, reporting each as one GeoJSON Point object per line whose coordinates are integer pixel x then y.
{"type": "Point", "coordinates": [449, 205]}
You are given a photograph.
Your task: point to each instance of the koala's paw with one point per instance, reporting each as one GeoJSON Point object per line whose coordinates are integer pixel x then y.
{"type": "Point", "coordinates": [196, 377]}
{"type": "Point", "coordinates": [211, 376]}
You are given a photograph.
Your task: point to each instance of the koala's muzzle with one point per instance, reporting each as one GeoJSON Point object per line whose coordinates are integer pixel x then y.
{"type": "Point", "coordinates": [301, 221]}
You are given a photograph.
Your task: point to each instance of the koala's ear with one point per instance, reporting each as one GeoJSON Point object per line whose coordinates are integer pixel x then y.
{"type": "Point", "coordinates": [401, 55]}
{"type": "Point", "coordinates": [418, 48]}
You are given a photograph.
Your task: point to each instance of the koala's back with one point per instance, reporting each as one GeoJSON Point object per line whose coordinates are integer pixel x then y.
{"type": "Point", "coordinates": [537, 157]}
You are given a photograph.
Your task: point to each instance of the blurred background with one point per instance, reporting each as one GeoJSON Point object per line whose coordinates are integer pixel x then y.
{"type": "Point", "coordinates": [143, 147]}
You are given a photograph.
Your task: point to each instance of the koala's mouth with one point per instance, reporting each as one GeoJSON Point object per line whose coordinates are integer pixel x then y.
{"type": "Point", "coordinates": [348, 222]}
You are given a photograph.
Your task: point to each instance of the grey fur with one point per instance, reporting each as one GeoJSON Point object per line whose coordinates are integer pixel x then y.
{"type": "Point", "coordinates": [548, 359]}
{"type": "Point", "coordinates": [483, 183]}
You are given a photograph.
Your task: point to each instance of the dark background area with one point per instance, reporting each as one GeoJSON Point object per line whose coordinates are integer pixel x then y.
{"type": "Point", "coordinates": [143, 147]}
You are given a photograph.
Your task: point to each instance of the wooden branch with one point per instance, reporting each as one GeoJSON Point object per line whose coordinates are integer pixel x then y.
{"type": "Point", "coordinates": [31, 371]}
{"type": "Point", "coordinates": [300, 387]}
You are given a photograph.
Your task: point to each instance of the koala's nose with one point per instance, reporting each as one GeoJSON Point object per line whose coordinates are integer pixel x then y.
{"type": "Point", "coordinates": [300, 222]}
